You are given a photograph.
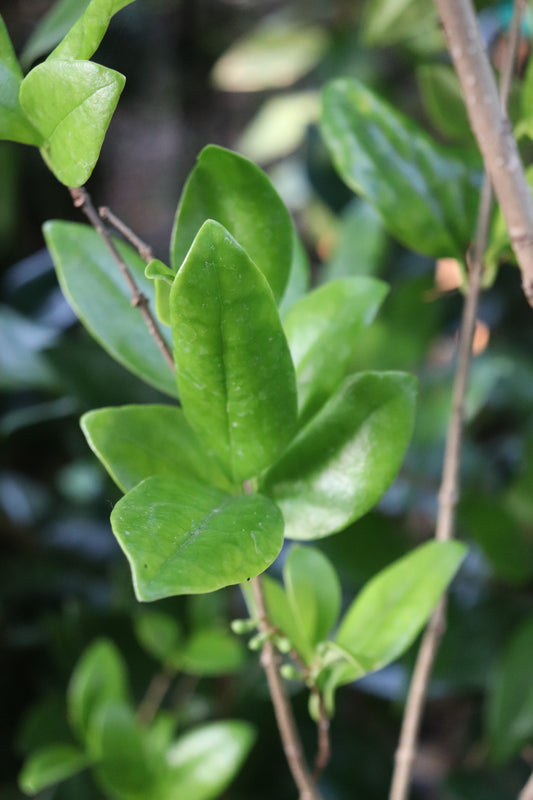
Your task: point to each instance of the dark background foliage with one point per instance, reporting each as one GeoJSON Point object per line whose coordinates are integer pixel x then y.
{"type": "Point", "coordinates": [63, 581]}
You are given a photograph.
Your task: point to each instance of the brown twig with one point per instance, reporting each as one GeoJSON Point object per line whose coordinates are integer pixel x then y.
{"type": "Point", "coordinates": [144, 250]}
{"type": "Point", "coordinates": [290, 737]}
{"type": "Point", "coordinates": [449, 490]}
{"type": "Point", "coordinates": [155, 694]}
{"type": "Point", "coordinates": [492, 129]}
{"type": "Point", "coordinates": [82, 200]}
{"type": "Point", "coordinates": [527, 791]}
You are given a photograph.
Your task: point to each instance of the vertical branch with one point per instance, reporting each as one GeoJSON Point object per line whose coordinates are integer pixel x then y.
{"type": "Point", "coordinates": [81, 199]}
{"type": "Point", "coordinates": [290, 737]}
{"type": "Point", "coordinates": [492, 129]}
{"type": "Point", "coordinates": [449, 489]}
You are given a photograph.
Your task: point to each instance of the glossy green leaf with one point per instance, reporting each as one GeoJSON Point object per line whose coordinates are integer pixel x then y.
{"type": "Point", "coordinates": [119, 743]}
{"type": "Point", "coordinates": [97, 292]}
{"type": "Point", "coordinates": [14, 124]}
{"type": "Point", "coordinates": [99, 678]}
{"type": "Point", "coordinates": [314, 592]}
{"type": "Point", "coordinates": [344, 459]}
{"type": "Point", "coordinates": [441, 94]}
{"type": "Point", "coordinates": [211, 652]}
{"type": "Point", "coordinates": [70, 103]}
{"type": "Point", "coordinates": [50, 765]}
{"type": "Point", "coordinates": [201, 764]}
{"type": "Point", "coordinates": [391, 610]}
{"type": "Point", "coordinates": [510, 700]}
{"type": "Point", "coordinates": [51, 28]}
{"type": "Point", "coordinates": [184, 537]}
{"type": "Point", "coordinates": [159, 634]}
{"type": "Point", "coordinates": [323, 330]}
{"type": "Point", "coordinates": [164, 278]}
{"type": "Point", "coordinates": [235, 375]}
{"type": "Point", "coordinates": [83, 39]}
{"type": "Point", "coordinates": [277, 53]}
{"type": "Point", "coordinates": [426, 196]}
{"type": "Point", "coordinates": [136, 442]}
{"type": "Point", "coordinates": [228, 188]}
{"type": "Point", "coordinates": [299, 276]}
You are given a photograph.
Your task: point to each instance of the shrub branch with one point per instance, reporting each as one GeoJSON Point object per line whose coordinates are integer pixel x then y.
{"type": "Point", "coordinates": [449, 489]}
{"type": "Point", "coordinates": [82, 199]}
{"type": "Point", "coordinates": [492, 129]}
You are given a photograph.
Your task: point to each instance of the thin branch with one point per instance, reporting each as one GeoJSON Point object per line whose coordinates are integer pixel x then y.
{"type": "Point", "coordinates": [492, 129]}
{"type": "Point", "coordinates": [324, 747]}
{"type": "Point", "coordinates": [144, 250]}
{"type": "Point", "coordinates": [82, 200]}
{"type": "Point", "coordinates": [527, 791]}
{"type": "Point", "coordinates": [449, 490]}
{"type": "Point", "coordinates": [290, 737]}
{"type": "Point", "coordinates": [155, 694]}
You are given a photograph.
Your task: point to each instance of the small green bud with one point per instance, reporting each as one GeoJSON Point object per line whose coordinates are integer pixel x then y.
{"type": "Point", "coordinates": [257, 642]}
{"type": "Point", "coordinates": [290, 672]}
{"type": "Point", "coordinates": [283, 644]}
{"type": "Point", "coordinates": [240, 626]}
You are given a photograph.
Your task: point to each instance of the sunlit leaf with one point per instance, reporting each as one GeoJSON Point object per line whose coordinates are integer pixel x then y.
{"type": "Point", "coordinates": [277, 53]}
{"type": "Point", "coordinates": [201, 764]}
{"type": "Point", "coordinates": [70, 103]}
{"type": "Point", "coordinates": [51, 29]}
{"type": "Point", "coordinates": [83, 39]}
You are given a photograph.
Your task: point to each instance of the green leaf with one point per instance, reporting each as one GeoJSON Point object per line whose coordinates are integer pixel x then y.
{"type": "Point", "coordinates": [441, 94]}
{"type": "Point", "coordinates": [164, 277]}
{"type": "Point", "coordinates": [97, 292]}
{"type": "Point", "coordinates": [84, 38]}
{"type": "Point", "coordinates": [387, 22]}
{"type": "Point", "coordinates": [50, 765]}
{"type": "Point", "coordinates": [71, 103]}
{"type": "Point", "coordinates": [228, 188]}
{"type": "Point", "coordinates": [235, 375]}
{"type": "Point", "coordinates": [322, 329]}
{"type": "Point", "coordinates": [126, 769]}
{"type": "Point", "coordinates": [159, 634]}
{"type": "Point", "coordinates": [183, 537]}
{"type": "Point", "coordinates": [314, 592]}
{"type": "Point", "coordinates": [391, 610]}
{"type": "Point", "coordinates": [99, 678]}
{"type": "Point", "coordinates": [51, 28]}
{"type": "Point", "coordinates": [299, 276]}
{"type": "Point", "coordinates": [137, 442]}
{"type": "Point", "coordinates": [211, 652]}
{"type": "Point", "coordinates": [426, 196]}
{"type": "Point", "coordinates": [343, 460]}
{"type": "Point", "coordinates": [510, 701]}
{"type": "Point", "coordinates": [201, 764]}
{"type": "Point", "coordinates": [13, 122]}
{"type": "Point", "coordinates": [277, 53]}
